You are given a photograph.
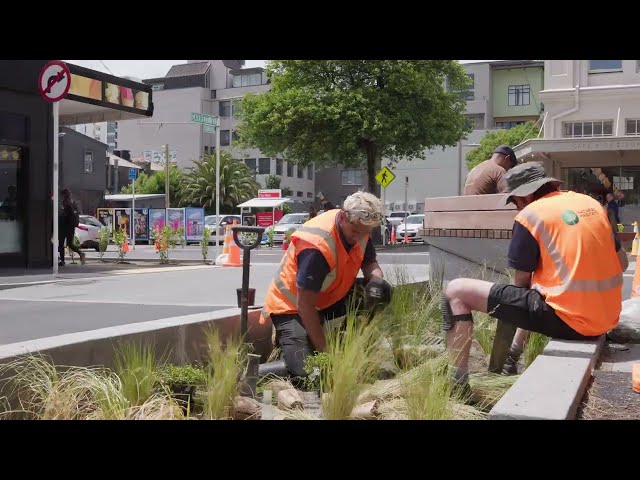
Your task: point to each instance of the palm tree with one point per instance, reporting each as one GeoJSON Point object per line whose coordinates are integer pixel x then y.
{"type": "Point", "coordinates": [237, 183]}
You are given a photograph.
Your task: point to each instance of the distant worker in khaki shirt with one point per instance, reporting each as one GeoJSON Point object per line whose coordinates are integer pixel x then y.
{"type": "Point", "coordinates": [488, 177]}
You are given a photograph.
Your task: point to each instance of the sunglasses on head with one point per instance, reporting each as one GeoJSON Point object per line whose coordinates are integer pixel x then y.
{"type": "Point", "coordinates": [362, 215]}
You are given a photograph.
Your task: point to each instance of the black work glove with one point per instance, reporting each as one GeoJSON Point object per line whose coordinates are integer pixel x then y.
{"type": "Point", "coordinates": [377, 293]}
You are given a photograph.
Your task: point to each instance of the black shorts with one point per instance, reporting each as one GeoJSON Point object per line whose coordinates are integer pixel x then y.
{"type": "Point", "coordinates": [526, 309]}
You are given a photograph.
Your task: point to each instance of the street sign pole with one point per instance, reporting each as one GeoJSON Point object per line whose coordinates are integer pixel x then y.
{"type": "Point", "coordinates": [166, 184]}
{"type": "Point", "coordinates": [56, 120]}
{"type": "Point", "coordinates": [384, 224]}
{"type": "Point", "coordinates": [133, 213]}
{"type": "Point", "coordinates": [217, 187]}
{"type": "Point", "coordinates": [54, 82]}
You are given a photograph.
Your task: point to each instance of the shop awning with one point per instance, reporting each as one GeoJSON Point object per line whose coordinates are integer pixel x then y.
{"type": "Point", "coordinates": [122, 162]}
{"type": "Point", "coordinates": [99, 97]}
{"type": "Point", "coordinates": [542, 147]}
{"type": "Point", "coordinates": [264, 203]}
{"type": "Point", "coordinates": [127, 197]}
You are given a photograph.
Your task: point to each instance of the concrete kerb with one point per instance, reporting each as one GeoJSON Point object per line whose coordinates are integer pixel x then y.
{"type": "Point", "coordinates": [553, 385]}
{"type": "Point", "coordinates": [182, 338]}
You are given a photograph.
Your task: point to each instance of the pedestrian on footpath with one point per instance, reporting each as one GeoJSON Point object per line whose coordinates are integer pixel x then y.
{"type": "Point", "coordinates": [68, 220]}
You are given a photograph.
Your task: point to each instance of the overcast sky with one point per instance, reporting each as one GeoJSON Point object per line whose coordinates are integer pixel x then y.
{"type": "Point", "coordinates": [143, 69]}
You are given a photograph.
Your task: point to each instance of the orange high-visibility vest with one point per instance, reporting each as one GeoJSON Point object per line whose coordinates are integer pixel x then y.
{"type": "Point", "coordinates": [635, 286]}
{"type": "Point", "coordinates": [579, 273]}
{"type": "Point", "coordinates": [321, 233]}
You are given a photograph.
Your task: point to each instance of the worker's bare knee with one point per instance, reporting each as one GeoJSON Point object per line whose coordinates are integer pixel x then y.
{"type": "Point", "coordinates": [456, 293]}
{"type": "Point", "coordinates": [452, 305]}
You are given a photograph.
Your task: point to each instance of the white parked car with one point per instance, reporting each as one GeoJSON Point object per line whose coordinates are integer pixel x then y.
{"type": "Point", "coordinates": [87, 232]}
{"type": "Point", "coordinates": [396, 218]}
{"type": "Point", "coordinates": [289, 221]}
{"type": "Point", "coordinates": [413, 225]}
{"type": "Point", "coordinates": [210, 221]}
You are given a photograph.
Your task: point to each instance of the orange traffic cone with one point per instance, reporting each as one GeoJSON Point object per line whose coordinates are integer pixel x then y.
{"type": "Point", "coordinates": [227, 240]}
{"type": "Point", "coordinates": [233, 260]}
{"type": "Point", "coordinates": [224, 256]}
{"type": "Point", "coordinates": [393, 235]}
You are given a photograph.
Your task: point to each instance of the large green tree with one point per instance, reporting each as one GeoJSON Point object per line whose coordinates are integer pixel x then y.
{"type": "Point", "coordinates": [512, 137]}
{"type": "Point", "coordinates": [237, 183]}
{"type": "Point", "coordinates": [155, 183]}
{"type": "Point", "coordinates": [355, 112]}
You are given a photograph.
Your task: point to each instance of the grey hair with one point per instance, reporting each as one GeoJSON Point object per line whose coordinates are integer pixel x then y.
{"type": "Point", "coordinates": [364, 202]}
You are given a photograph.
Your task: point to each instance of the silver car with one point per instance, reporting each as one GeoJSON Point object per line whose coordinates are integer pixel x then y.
{"type": "Point", "coordinates": [289, 221]}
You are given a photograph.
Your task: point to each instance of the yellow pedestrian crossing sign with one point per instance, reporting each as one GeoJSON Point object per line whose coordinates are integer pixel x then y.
{"type": "Point", "coordinates": [385, 177]}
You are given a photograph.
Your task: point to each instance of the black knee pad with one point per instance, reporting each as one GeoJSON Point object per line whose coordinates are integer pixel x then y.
{"type": "Point", "coordinates": [448, 318]}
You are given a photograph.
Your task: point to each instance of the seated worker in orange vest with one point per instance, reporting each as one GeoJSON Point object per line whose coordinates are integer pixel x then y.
{"type": "Point", "coordinates": [568, 271]}
{"type": "Point", "coordinates": [317, 273]}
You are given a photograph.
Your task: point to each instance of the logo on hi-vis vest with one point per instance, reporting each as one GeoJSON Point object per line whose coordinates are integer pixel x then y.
{"type": "Point", "coordinates": [569, 217]}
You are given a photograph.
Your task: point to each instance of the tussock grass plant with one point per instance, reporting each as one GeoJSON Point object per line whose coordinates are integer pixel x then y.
{"type": "Point", "coordinates": [484, 331]}
{"type": "Point", "coordinates": [135, 364]}
{"type": "Point", "coordinates": [48, 392]}
{"type": "Point", "coordinates": [223, 372]}
{"type": "Point", "coordinates": [413, 316]}
{"type": "Point", "coordinates": [534, 347]}
{"type": "Point", "coordinates": [489, 387]}
{"type": "Point", "coordinates": [351, 361]}
{"type": "Point", "coordinates": [43, 392]}
{"type": "Point", "coordinates": [427, 392]}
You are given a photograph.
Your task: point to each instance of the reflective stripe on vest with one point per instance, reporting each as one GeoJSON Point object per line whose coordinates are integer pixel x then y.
{"type": "Point", "coordinates": [567, 284]}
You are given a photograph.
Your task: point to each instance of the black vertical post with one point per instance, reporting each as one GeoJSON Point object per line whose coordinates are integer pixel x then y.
{"type": "Point", "coordinates": [246, 264]}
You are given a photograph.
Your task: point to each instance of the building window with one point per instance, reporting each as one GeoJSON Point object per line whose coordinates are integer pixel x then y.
{"type": "Point", "coordinates": [289, 169]}
{"type": "Point", "coordinates": [633, 127]}
{"type": "Point", "coordinates": [264, 166]}
{"type": "Point", "coordinates": [519, 95]}
{"type": "Point", "coordinates": [470, 92]}
{"type": "Point", "coordinates": [309, 195]}
{"type": "Point", "coordinates": [300, 171]}
{"type": "Point", "coordinates": [476, 120]}
{"type": "Point", "coordinates": [88, 162]}
{"type": "Point", "coordinates": [251, 163]}
{"type": "Point", "coordinates": [225, 108]}
{"type": "Point", "coordinates": [247, 80]}
{"type": "Point", "coordinates": [352, 177]}
{"type": "Point", "coordinates": [279, 162]}
{"type": "Point", "coordinates": [309, 172]}
{"type": "Point", "coordinates": [225, 138]}
{"type": "Point", "coordinates": [600, 128]}
{"type": "Point", "coordinates": [602, 66]}
{"type": "Point", "coordinates": [508, 125]}
{"type": "Point", "coordinates": [298, 194]}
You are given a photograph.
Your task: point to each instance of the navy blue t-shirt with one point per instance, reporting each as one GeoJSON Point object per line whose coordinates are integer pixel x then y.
{"type": "Point", "coordinates": [313, 268]}
{"type": "Point", "coordinates": [524, 251]}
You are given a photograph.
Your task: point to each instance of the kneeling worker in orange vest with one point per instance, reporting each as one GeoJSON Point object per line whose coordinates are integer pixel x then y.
{"type": "Point", "coordinates": [318, 272]}
{"type": "Point", "coordinates": [568, 271]}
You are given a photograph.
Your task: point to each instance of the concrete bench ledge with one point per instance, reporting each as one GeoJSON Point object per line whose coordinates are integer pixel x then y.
{"type": "Point", "coordinates": [550, 389]}
{"type": "Point", "coordinates": [577, 349]}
